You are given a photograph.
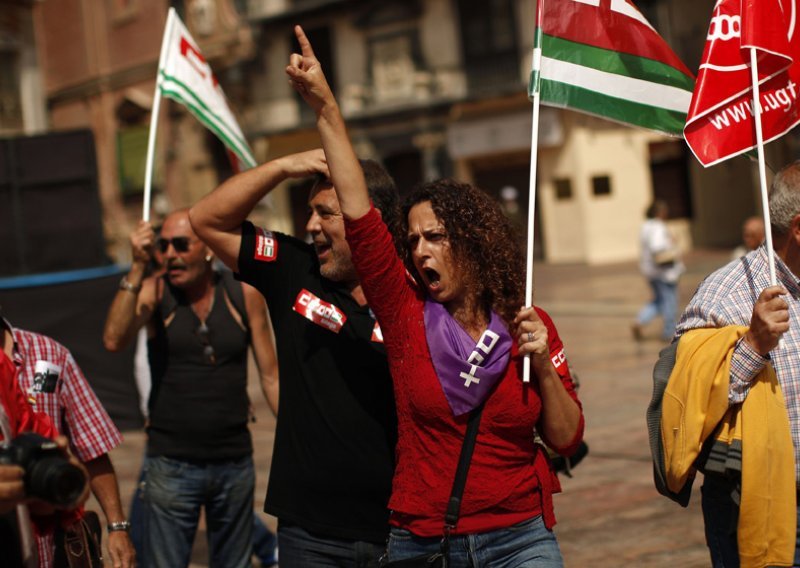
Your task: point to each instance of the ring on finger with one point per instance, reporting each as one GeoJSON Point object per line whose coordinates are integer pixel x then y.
{"type": "Point", "coordinates": [530, 336]}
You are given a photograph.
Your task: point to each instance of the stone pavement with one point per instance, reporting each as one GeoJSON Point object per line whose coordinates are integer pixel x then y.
{"type": "Point", "coordinates": [609, 514]}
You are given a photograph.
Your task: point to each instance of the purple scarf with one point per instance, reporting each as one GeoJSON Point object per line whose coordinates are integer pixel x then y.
{"type": "Point", "coordinates": [467, 371]}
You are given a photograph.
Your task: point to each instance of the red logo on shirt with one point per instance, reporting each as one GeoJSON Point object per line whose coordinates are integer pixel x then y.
{"type": "Point", "coordinates": [266, 246]}
{"type": "Point", "coordinates": [560, 362]}
{"type": "Point", "coordinates": [319, 311]}
{"type": "Point", "coordinates": [559, 358]}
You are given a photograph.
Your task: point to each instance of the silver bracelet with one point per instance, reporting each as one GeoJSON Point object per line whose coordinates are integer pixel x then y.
{"type": "Point", "coordinates": [119, 526]}
{"type": "Point", "coordinates": [125, 285]}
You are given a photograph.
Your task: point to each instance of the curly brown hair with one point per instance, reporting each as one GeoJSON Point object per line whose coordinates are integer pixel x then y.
{"type": "Point", "coordinates": [484, 244]}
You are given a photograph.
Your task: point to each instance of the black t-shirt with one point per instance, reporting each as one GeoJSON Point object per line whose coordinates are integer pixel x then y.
{"type": "Point", "coordinates": [198, 411]}
{"type": "Point", "coordinates": [333, 457]}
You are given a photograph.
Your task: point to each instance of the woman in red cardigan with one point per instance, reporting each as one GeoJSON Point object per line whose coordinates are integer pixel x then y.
{"type": "Point", "coordinates": [454, 336]}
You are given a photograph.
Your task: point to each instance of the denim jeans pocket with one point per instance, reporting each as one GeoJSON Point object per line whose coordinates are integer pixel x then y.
{"type": "Point", "coordinates": [165, 467]}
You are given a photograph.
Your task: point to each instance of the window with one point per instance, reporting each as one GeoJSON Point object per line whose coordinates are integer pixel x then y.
{"type": "Point", "coordinates": [10, 102]}
{"type": "Point", "coordinates": [601, 185]}
{"type": "Point", "coordinates": [132, 155]}
{"type": "Point", "coordinates": [563, 188]}
{"type": "Point", "coordinates": [489, 41]}
{"type": "Point", "coordinates": [321, 39]}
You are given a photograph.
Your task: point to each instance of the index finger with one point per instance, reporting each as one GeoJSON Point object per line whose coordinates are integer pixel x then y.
{"type": "Point", "coordinates": [305, 45]}
{"type": "Point", "coordinates": [526, 313]}
{"type": "Point", "coordinates": [771, 292]}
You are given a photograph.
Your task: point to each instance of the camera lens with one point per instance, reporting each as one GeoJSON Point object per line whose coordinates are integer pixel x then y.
{"type": "Point", "coordinates": [55, 480]}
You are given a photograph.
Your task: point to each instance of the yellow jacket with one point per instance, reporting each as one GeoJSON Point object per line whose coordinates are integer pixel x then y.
{"type": "Point", "coordinates": [695, 406]}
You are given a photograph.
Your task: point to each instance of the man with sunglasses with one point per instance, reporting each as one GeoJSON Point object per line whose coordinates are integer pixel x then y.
{"type": "Point", "coordinates": [199, 451]}
{"type": "Point", "coordinates": [333, 457]}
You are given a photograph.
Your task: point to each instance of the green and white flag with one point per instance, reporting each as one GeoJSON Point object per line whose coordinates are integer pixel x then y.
{"type": "Point", "coordinates": [604, 58]}
{"type": "Point", "coordinates": [185, 76]}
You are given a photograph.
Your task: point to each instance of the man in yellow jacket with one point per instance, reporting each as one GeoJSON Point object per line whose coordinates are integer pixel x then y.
{"type": "Point", "coordinates": [740, 294]}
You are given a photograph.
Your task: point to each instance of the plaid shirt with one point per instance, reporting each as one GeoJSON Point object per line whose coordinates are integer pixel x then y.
{"type": "Point", "coordinates": [727, 297]}
{"type": "Point", "coordinates": [65, 395]}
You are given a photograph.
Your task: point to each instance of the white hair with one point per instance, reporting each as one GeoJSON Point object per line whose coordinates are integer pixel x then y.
{"type": "Point", "coordinates": [784, 198]}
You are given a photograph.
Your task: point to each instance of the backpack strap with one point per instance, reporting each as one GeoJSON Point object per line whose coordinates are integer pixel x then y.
{"type": "Point", "coordinates": [234, 298]}
{"type": "Point", "coordinates": [231, 291]}
{"type": "Point", "coordinates": [168, 303]}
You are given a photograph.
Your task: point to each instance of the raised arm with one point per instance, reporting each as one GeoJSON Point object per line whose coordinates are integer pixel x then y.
{"type": "Point", "coordinates": [263, 344]}
{"type": "Point", "coordinates": [217, 218]}
{"type": "Point", "coordinates": [134, 302]}
{"type": "Point", "coordinates": [306, 76]}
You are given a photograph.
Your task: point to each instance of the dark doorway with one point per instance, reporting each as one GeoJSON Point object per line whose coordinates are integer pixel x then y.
{"type": "Point", "coordinates": [508, 180]}
{"type": "Point", "coordinates": [671, 178]}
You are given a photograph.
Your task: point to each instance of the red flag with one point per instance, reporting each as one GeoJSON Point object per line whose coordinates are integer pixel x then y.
{"type": "Point", "coordinates": [720, 123]}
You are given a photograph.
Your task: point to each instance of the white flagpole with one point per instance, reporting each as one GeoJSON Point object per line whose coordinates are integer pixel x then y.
{"type": "Point", "coordinates": [536, 68]}
{"type": "Point", "coordinates": [762, 171]}
{"type": "Point", "coordinates": [151, 137]}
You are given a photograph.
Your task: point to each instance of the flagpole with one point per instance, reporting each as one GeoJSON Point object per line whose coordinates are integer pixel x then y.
{"type": "Point", "coordinates": [536, 68]}
{"type": "Point", "coordinates": [151, 137]}
{"type": "Point", "coordinates": [762, 171]}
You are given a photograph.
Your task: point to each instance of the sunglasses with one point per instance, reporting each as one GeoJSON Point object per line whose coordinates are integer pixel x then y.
{"type": "Point", "coordinates": [209, 355]}
{"type": "Point", "coordinates": [180, 244]}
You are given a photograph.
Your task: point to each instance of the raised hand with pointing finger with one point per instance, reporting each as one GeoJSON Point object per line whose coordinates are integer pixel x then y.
{"type": "Point", "coordinates": [306, 76]}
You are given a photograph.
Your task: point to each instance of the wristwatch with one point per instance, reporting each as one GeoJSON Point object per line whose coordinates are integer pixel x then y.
{"type": "Point", "coordinates": [119, 526]}
{"type": "Point", "coordinates": [125, 285]}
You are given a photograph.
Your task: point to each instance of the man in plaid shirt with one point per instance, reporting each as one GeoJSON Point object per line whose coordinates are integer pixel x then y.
{"type": "Point", "coordinates": [55, 385]}
{"type": "Point", "coordinates": [740, 294]}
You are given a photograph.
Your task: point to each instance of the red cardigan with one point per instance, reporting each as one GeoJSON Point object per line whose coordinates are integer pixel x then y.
{"type": "Point", "coordinates": [510, 478]}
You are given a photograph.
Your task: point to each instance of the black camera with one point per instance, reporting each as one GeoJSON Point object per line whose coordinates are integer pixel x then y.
{"type": "Point", "coordinates": [48, 474]}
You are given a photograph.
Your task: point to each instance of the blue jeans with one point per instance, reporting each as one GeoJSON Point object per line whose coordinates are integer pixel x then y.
{"type": "Point", "coordinates": [721, 516]}
{"type": "Point", "coordinates": [525, 545]}
{"type": "Point", "coordinates": [664, 303]}
{"type": "Point", "coordinates": [136, 518]}
{"type": "Point", "coordinates": [301, 549]}
{"type": "Point", "coordinates": [265, 543]}
{"type": "Point", "coordinates": [174, 493]}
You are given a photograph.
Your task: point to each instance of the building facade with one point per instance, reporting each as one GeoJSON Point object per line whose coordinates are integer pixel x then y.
{"type": "Point", "coordinates": [429, 88]}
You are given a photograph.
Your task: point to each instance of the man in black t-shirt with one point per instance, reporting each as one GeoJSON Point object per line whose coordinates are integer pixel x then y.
{"type": "Point", "coordinates": [334, 446]}
{"type": "Point", "coordinates": [200, 324]}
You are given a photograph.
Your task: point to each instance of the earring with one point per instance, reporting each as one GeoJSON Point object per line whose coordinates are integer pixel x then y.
{"type": "Point", "coordinates": [208, 258]}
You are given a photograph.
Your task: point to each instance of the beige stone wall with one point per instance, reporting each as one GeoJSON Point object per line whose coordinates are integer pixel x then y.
{"type": "Point", "coordinates": [595, 228]}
